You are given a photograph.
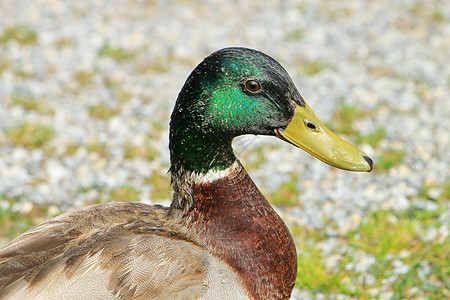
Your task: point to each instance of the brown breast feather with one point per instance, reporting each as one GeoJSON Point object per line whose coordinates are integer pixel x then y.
{"type": "Point", "coordinates": [240, 226]}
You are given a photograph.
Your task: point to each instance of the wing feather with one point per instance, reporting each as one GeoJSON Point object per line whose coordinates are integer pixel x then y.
{"type": "Point", "coordinates": [108, 251]}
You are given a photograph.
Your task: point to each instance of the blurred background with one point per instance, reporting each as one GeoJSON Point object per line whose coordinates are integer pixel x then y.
{"type": "Point", "coordinates": [87, 88]}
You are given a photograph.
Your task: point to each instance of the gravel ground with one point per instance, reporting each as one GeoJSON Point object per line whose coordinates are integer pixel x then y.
{"type": "Point", "coordinates": [96, 81]}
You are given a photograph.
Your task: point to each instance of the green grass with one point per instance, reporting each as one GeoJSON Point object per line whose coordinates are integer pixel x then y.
{"type": "Point", "coordinates": [21, 73]}
{"type": "Point", "coordinates": [84, 78]}
{"type": "Point", "coordinates": [124, 193]}
{"type": "Point", "coordinates": [146, 152]}
{"type": "Point", "coordinates": [381, 70]}
{"type": "Point", "coordinates": [384, 233]}
{"type": "Point", "coordinates": [160, 185]}
{"type": "Point", "coordinates": [160, 189]}
{"type": "Point", "coordinates": [4, 65]}
{"type": "Point", "coordinates": [100, 196]}
{"type": "Point", "coordinates": [30, 135]}
{"type": "Point", "coordinates": [287, 195]}
{"type": "Point", "coordinates": [22, 34]}
{"type": "Point", "coordinates": [64, 42]}
{"type": "Point", "coordinates": [443, 191]}
{"type": "Point", "coordinates": [118, 54]}
{"type": "Point", "coordinates": [122, 95]}
{"type": "Point", "coordinates": [390, 158]}
{"type": "Point", "coordinates": [295, 35]}
{"type": "Point", "coordinates": [13, 223]}
{"type": "Point", "coordinates": [343, 119]}
{"type": "Point", "coordinates": [312, 273]}
{"type": "Point", "coordinates": [395, 236]}
{"type": "Point", "coordinates": [30, 103]}
{"type": "Point", "coordinates": [373, 138]}
{"type": "Point", "coordinates": [386, 237]}
{"type": "Point", "coordinates": [423, 91]}
{"type": "Point", "coordinates": [257, 156]}
{"type": "Point", "coordinates": [102, 111]}
{"type": "Point", "coordinates": [438, 17]}
{"type": "Point", "coordinates": [96, 147]}
{"type": "Point", "coordinates": [118, 91]}
{"type": "Point", "coordinates": [313, 67]}
{"type": "Point", "coordinates": [428, 13]}
{"type": "Point", "coordinates": [71, 148]}
{"type": "Point", "coordinates": [159, 64]}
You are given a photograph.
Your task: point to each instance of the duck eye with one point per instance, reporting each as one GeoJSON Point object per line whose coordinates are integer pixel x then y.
{"type": "Point", "coordinates": [252, 85]}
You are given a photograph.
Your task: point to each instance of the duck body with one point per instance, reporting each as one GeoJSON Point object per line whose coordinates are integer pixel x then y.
{"type": "Point", "coordinates": [135, 251]}
{"type": "Point", "coordinates": [220, 238]}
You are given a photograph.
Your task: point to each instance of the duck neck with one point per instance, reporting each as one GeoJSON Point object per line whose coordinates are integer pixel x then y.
{"type": "Point", "coordinates": [230, 216]}
{"type": "Point", "coordinates": [199, 153]}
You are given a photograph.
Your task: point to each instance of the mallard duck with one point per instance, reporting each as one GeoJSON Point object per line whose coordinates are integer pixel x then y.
{"type": "Point", "coordinates": [220, 238]}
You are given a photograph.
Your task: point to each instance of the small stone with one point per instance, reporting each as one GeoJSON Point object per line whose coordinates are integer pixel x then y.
{"type": "Point", "coordinates": [424, 270]}
{"type": "Point", "coordinates": [53, 210]}
{"type": "Point", "coordinates": [332, 262]}
{"type": "Point", "coordinates": [404, 253]}
{"type": "Point", "coordinates": [22, 207]}
{"type": "Point", "coordinates": [4, 205]}
{"type": "Point", "coordinates": [350, 266]}
{"type": "Point", "coordinates": [341, 297]}
{"type": "Point", "coordinates": [434, 193]}
{"type": "Point", "coordinates": [401, 203]}
{"type": "Point", "coordinates": [430, 234]}
{"type": "Point", "coordinates": [56, 171]}
{"type": "Point", "coordinates": [400, 267]}
{"type": "Point", "coordinates": [426, 205]}
{"type": "Point", "coordinates": [386, 295]}
{"type": "Point", "coordinates": [413, 290]}
{"type": "Point", "coordinates": [443, 233]}
{"type": "Point", "coordinates": [364, 263]}
{"type": "Point", "coordinates": [301, 294]}
{"type": "Point", "coordinates": [373, 291]}
{"type": "Point", "coordinates": [366, 279]}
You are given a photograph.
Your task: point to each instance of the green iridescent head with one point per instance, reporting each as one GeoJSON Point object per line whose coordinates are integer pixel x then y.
{"type": "Point", "coordinates": [232, 92]}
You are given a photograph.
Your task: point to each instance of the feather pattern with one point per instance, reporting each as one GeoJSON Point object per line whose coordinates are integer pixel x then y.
{"type": "Point", "coordinates": [107, 251]}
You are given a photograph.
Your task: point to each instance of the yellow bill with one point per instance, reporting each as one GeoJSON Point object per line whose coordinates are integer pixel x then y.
{"type": "Point", "coordinates": [307, 132]}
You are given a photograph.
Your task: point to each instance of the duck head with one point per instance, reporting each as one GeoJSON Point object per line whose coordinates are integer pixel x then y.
{"type": "Point", "coordinates": [237, 91]}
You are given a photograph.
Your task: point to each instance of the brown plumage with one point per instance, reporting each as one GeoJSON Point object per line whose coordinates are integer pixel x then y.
{"type": "Point", "coordinates": [246, 232]}
{"type": "Point", "coordinates": [124, 244]}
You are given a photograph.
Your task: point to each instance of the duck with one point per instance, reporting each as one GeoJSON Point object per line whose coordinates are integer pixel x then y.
{"type": "Point", "coordinates": [220, 238]}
